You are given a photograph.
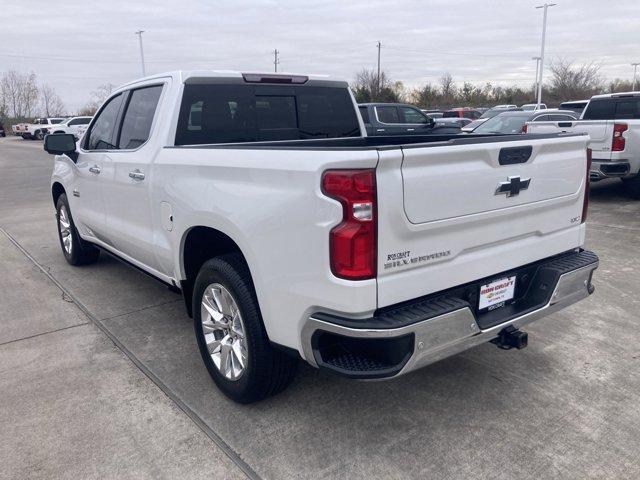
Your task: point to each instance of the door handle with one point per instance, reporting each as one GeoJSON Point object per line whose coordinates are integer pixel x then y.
{"type": "Point", "coordinates": [411, 129]}
{"type": "Point", "coordinates": [95, 169]}
{"type": "Point", "coordinates": [136, 175]}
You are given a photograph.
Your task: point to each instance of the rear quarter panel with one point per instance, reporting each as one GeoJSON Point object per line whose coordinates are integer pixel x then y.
{"type": "Point", "coordinates": [270, 203]}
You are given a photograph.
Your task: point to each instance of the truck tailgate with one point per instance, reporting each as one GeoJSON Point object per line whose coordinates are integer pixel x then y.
{"type": "Point", "coordinates": [451, 214]}
{"type": "Point", "coordinates": [599, 131]}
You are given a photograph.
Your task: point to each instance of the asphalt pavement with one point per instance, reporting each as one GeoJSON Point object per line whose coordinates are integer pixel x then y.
{"type": "Point", "coordinates": [100, 377]}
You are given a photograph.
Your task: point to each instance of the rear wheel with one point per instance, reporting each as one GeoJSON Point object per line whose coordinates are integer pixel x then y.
{"type": "Point", "coordinates": [231, 336]}
{"type": "Point", "coordinates": [632, 186]}
{"type": "Point", "coordinates": [76, 251]}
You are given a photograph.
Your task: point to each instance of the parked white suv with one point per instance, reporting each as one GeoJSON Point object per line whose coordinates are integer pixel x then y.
{"type": "Point", "coordinates": [292, 235]}
{"type": "Point", "coordinates": [75, 125]}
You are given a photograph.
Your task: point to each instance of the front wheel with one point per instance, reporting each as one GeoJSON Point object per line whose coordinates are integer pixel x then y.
{"type": "Point", "coordinates": [231, 336]}
{"type": "Point", "coordinates": [76, 251]}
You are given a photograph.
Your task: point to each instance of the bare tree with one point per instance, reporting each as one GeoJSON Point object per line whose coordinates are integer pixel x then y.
{"type": "Point", "coordinates": [365, 87]}
{"type": "Point", "coordinates": [30, 94]}
{"type": "Point", "coordinates": [50, 102]}
{"type": "Point", "coordinates": [98, 96]}
{"type": "Point", "coordinates": [448, 89]}
{"type": "Point", "coordinates": [569, 81]}
{"type": "Point", "coordinates": [11, 87]}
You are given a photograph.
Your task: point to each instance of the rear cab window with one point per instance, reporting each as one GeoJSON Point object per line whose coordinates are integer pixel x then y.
{"type": "Point", "coordinates": [215, 113]}
{"type": "Point", "coordinates": [617, 108]}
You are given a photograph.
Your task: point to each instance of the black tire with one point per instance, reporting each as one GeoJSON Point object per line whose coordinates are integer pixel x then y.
{"type": "Point", "coordinates": [268, 371]}
{"type": "Point", "coordinates": [26, 136]}
{"type": "Point", "coordinates": [632, 186]}
{"type": "Point", "coordinates": [39, 135]}
{"type": "Point", "coordinates": [81, 252]}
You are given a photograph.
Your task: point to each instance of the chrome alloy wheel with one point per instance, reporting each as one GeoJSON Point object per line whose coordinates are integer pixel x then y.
{"type": "Point", "coordinates": [223, 331]}
{"type": "Point", "coordinates": [65, 230]}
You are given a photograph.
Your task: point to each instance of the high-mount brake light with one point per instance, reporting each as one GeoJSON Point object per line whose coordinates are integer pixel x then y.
{"type": "Point", "coordinates": [353, 243]}
{"type": "Point", "coordinates": [267, 78]}
{"type": "Point", "coordinates": [585, 202]}
{"type": "Point", "coordinates": [618, 142]}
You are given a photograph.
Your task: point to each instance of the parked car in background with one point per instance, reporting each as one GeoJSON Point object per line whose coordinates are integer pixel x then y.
{"type": "Point", "coordinates": [40, 127]}
{"type": "Point", "coordinates": [74, 125]}
{"type": "Point", "coordinates": [532, 107]}
{"type": "Point", "coordinates": [492, 112]}
{"type": "Point", "coordinates": [18, 128]}
{"type": "Point", "coordinates": [397, 119]}
{"type": "Point", "coordinates": [505, 107]}
{"type": "Point", "coordinates": [516, 121]}
{"type": "Point", "coordinates": [293, 235]}
{"type": "Point", "coordinates": [613, 124]}
{"type": "Point", "coordinates": [2, 132]}
{"type": "Point", "coordinates": [432, 113]}
{"type": "Point", "coordinates": [456, 122]}
{"type": "Point", "coordinates": [462, 113]}
{"type": "Point", "coordinates": [575, 105]}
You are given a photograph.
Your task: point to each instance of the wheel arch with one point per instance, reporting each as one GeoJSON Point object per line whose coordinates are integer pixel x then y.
{"type": "Point", "coordinates": [56, 190]}
{"type": "Point", "coordinates": [198, 244]}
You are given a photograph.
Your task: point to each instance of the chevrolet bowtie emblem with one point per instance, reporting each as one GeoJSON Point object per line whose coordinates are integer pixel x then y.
{"type": "Point", "coordinates": [512, 186]}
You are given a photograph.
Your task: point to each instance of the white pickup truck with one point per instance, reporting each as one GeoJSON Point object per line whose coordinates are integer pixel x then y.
{"type": "Point", "coordinates": [74, 125]}
{"type": "Point", "coordinates": [293, 235]}
{"type": "Point", "coordinates": [612, 122]}
{"type": "Point", "coordinates": [39, 128]}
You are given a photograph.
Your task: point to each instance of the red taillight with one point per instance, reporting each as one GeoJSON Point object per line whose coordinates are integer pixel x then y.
{"type": "Point", "coordinates": [585, 202]}
{"type": "Point", "coordinates": [524, 128]}
{"type": "Point", "coordinates": [617, 144]}
{"type": "Point", "coordinates": [352, 243]}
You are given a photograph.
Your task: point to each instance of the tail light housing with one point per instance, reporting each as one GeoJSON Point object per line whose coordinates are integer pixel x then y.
{"type": "Point", "coordinates": [353, 242]}
{"type": "Point", "coordinates": [618, 142]}
{"type": "Point", "coordinates": [585, 202]}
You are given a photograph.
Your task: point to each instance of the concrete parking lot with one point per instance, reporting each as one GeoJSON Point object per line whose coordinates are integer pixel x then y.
{"type": "Point", "coordinates": [100, 377]}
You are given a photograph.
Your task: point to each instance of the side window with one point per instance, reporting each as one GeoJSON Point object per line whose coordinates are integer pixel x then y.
{"type": "Point", "coordinates": [388, 114]}
{"type": "Point", "coordinates": [103, 130]}
{"type": "Point", "coordinates": [75, 121]}
{"type": "Point", "coordinates": [139, 116]}
{"type": "Point", "coordinates": [364, 113]}
{"type": "Point", "coordinates": [411, 115]}
{"type": "Point", "coordinates": [561, 118]}
{"type": "Point", "coordinates": [541, 118]}
{"type": "Point", "coordinates": [472, 114]}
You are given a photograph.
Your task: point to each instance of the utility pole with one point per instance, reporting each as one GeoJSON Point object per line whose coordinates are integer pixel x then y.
{"type": "Point", "coordinates": [635, 70]}
{"type": "Point", "coordinates": [378, 78]}
{"type": "Point", "coordinates": [544, 34]}
{"type": "Point", "coordinates": [535, 91]}
{"type": "Point", "coordinates": [276, 60]}
{"type": "Point", "coordinates": [139, 33]}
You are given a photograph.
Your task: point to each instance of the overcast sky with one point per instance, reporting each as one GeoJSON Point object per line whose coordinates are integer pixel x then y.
{"type": "Point", "coordinates": [76, 45]}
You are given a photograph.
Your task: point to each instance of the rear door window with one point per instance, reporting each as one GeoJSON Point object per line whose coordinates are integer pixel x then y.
{"type": "Point", "coordinates": [138, 117]}
{"type": "Point", "coordinates": [388, 114]}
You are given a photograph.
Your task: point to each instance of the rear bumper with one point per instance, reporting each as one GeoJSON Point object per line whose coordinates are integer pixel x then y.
{"type": "Point", "coordinates": [601, 169]}
{"type": "Point", "coordinates": [410, 336]}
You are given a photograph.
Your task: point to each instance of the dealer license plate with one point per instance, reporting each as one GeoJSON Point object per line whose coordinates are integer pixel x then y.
{"type": "Point", "coordinates": [497, 293]}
